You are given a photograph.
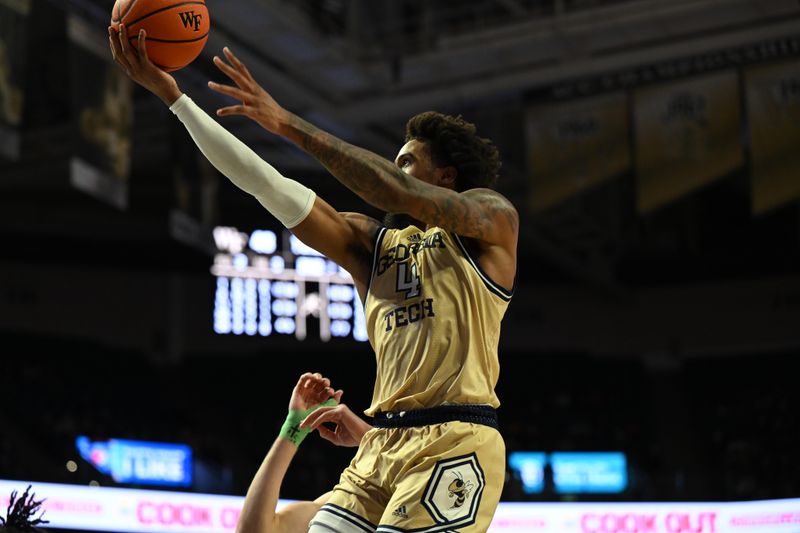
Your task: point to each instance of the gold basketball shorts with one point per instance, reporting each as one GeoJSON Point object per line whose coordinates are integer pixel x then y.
{"type": "Point", "coordinates": [432, 478]}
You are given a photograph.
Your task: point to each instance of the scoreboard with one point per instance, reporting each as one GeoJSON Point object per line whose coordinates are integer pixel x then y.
{"type": "Point", "coordinates": [273, 284]}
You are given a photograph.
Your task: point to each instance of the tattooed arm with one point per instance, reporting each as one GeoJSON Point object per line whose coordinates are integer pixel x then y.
{"type": "Point", "coordinates": [481, 214]}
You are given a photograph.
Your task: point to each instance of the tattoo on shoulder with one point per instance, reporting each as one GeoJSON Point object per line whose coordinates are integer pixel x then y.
{"type": "Point", "coordinates": [473, 215]}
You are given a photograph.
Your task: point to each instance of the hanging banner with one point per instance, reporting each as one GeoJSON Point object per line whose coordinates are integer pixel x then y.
{"type": "Point", "coordinates": [195, 184]}
{"type": "Point", "coordinates": [687, 136]}
{"type": "Point", "coordinates": [13, 58]}
{"type": "Point", "coordinates": [773, 112]}
{"type": "Point", "coordinates": [575, 145]}
{"type": "Point", "coordinates": [102, 106]}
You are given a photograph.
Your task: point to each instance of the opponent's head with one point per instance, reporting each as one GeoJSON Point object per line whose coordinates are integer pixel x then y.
{"type": "Point", "coordinates": [21, 516]}
{"type": "Point", "coordinates": [445, 150]}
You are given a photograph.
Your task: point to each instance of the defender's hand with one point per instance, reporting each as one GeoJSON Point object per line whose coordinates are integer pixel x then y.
{"type": "Point", "coordinates": [311, 390]}
{"type": "Point", "coordinates": [139, 68]}
{"type": "Point", "coordinates": [350, 428]}
{"type": "Point", "coordinates": [256, 103]}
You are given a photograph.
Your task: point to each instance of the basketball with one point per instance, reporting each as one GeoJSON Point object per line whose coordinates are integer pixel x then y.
{"type": "Point", "coordinates": [177, 30]}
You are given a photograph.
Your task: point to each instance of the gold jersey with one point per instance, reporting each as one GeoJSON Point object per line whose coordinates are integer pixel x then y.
{"type": "Point", "coordinates": [433, 318]}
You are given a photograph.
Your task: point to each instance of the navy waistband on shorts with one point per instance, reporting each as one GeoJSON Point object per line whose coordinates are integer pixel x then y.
{"type": "Point", "coordinates": [476, 414]}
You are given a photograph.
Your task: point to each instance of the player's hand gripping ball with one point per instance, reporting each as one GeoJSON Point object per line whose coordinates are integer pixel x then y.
{"type": "Point", "coordinates": [177, 30]}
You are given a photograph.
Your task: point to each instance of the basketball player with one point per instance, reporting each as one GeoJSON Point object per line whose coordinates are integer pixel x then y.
{"type": "Point", "coordinates": [311, 394]}
{"type": "Point", "coordinates": [434, 293]}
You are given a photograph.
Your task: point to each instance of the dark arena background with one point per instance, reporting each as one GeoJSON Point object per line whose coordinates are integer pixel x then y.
{"type": "Point", "coordinates": [154, 318]}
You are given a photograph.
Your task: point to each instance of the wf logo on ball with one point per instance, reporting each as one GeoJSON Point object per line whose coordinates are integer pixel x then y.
{"type": "Point", "coordinates": [190, 19]}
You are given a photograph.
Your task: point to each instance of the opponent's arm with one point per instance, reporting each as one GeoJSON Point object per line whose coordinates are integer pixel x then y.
{"type": "Point", "coordinates": [482, 214]}
{"type": "Point", "coordinates": [258, 512]}
{"type": "Point", "coordinates": [295, 517]}
{"type": "Point", "coordinates": [347, 240]}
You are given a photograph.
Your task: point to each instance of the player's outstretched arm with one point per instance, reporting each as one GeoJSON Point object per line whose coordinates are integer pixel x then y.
{"type": "Point", "coordinates": [482, 214]}
{"type": "Point", "coordinates": [311, 392]}
{"type": "Point", "coordinates": [346, 239]}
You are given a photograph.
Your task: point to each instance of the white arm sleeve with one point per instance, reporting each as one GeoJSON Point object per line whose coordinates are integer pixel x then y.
{"type": "Point", "coordinates": [289, 201]}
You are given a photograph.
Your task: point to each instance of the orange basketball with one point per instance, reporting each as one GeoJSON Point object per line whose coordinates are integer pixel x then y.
{"type": "Point", "coordinates": [177, 30]}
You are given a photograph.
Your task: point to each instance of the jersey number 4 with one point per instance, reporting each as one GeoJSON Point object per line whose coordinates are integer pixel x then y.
{"type": "Point", "coordinates": [408, 280]}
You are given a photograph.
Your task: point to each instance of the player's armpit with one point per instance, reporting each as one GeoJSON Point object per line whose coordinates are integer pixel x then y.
{"type": "Point", "coordinates": [346, 238]}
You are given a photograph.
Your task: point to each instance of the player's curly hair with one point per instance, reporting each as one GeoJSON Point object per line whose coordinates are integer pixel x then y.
{"type": "Point", "coordinates": [20, 515]}
{"type": "Point", "coordinates": [453, 142]}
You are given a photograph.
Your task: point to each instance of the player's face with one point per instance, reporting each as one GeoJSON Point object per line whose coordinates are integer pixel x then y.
{"type": "Point", "coordinates": [415, 159]}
